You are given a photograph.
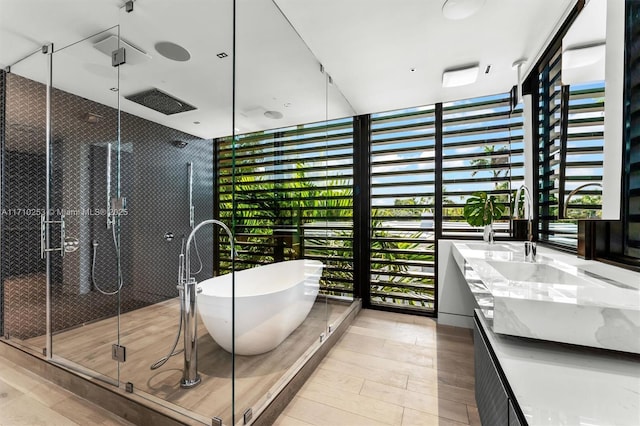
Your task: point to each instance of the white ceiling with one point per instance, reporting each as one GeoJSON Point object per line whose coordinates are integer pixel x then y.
{"type": "Point", "coordinates": [368, 47]}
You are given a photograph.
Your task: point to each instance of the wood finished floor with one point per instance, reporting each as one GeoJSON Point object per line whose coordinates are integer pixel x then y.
{"type": "Point", "coordinates": [148, 334]}
{"type": "Point", "coordinates": [28, 399]}
{"type": "Point", "coordinates": [391, 369]}
{"type": "Point", "coordinates": [387, 369]}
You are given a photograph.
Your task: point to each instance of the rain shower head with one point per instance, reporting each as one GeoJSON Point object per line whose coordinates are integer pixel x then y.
{"type": "Point", "coordinates": [159, 101]}
{"type": "Point", "coordinates": [180, 144]}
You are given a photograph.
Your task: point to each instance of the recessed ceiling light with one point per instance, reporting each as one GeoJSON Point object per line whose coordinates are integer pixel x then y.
{"type": "Point", "coordinates": [222, 55]}
{"type": "Point", "coordinates": [460, 76]}
{"type": "Point", "coordinates": [287, 104]}
{"type": "Point", "coordinates": [274, 115]}
{"type": "Point", "coordinates": [114, 89]}
{"type": "Point", "coordinates": [172, 51]}
{"type": "Point", "coordinates": [461, 9]}
{"type": "Point", "coordinates": [196, 122]}
{"type": "Point", "coordinates": [412, 69]}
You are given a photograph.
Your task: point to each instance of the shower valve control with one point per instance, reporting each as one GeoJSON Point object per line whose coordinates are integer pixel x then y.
{"type": "Point", "coordinates": [118, 205]}
{"type": "Point", "coordinates": [71, 244]}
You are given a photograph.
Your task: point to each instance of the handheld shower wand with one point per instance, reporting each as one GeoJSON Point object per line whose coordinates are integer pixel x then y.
{"type": "Point", "coordinates": [162, 361]}
{"type": "Point", "coordinates": [111, 224]}
{"type": "Point", "coordinates": [192, 215]}
{"type": "Point", "coordinates": [191, 206]}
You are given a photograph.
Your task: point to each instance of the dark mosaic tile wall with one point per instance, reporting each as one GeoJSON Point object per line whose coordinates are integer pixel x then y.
{"type": "Point", "coordinates": [3, 85]}
{"type": "Point", "coordinates": [154, 181]}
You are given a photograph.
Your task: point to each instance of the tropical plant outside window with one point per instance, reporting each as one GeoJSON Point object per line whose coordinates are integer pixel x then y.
{"type": "Point", "coordinates": [483, 152]}
{"type": "Point", "coordinates": [293, 192]}
{"type": "Point", "coordinates": [293, 198]}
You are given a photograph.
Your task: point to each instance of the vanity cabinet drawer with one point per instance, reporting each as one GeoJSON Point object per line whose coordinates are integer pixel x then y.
{"type": "Point", "coordinates": [495, 406]}
{"type": "Point", "coordinates": [491, 396]}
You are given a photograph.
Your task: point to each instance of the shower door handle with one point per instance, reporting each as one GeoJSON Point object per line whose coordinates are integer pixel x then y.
{"type": "Point", "coordinates": [43, 235]}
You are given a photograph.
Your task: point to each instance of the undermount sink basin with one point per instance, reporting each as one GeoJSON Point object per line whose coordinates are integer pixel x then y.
{"type": "Point", "coordinates": [487, 247]}
{"type": "Point", "coordinates": [535, 272]}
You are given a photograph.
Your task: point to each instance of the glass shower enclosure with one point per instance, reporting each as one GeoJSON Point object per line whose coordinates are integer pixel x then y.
{"type": "Point", "coordinates": [119, 159]}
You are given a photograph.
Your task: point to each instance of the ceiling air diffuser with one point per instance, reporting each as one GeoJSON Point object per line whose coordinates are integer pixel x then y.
{"type": "Point", "coordinates": [460, 76]}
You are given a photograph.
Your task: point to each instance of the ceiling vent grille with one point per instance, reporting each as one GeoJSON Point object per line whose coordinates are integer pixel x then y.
{"type": "Point", "coordinates": [160, 101]}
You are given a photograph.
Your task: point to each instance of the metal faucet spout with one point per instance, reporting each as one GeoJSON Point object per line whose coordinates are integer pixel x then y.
{"type": "Point", "coordinates": [529, 245]}
{"type": "Point", "coordinates": [190, 376]}
{"type": "Point", "coordinates": [489, 231]}
{"type": "Point", "coordinates": [528, 209]}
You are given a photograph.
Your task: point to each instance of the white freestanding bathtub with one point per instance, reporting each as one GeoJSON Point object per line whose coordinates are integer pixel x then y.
{"type": "Point", "coordinates": [271, 302]}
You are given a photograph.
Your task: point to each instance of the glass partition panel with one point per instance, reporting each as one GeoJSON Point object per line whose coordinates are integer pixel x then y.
{"type": "Point", "coordinates": [84, 175]}
{"type": "Point", "coordinates": [337, 249]}
{"type": "Point", "coordinates": [176, 101]}
{"type": "Point", "coordinates": [276, 185]}
{"type": "Point", "coordinates": [24, 193]}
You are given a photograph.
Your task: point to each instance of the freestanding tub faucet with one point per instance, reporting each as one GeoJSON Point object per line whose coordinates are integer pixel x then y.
{"type": "Point", "coordinates": [529, 245]}
{"type": "Point", "coordinates": [189, 307]}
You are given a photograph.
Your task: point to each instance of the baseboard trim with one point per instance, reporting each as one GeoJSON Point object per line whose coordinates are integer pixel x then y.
{"type": "Point", "coordinates": [455, 320]}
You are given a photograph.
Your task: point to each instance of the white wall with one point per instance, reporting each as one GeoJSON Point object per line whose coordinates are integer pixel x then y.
{"type": "Point", "coordinates": [455, 301]}
{"type": "Point", "coordinates": [613, 116]}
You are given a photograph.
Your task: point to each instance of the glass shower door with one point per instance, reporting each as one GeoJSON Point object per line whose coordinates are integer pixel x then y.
{"type": "Point", "coordinates": [23, 270]}
{"type": "Point", "coordinates": [85, 207]}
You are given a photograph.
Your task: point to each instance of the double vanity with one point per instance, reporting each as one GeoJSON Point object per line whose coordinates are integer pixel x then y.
{"type": "Point", "coordinates": [557, 340]}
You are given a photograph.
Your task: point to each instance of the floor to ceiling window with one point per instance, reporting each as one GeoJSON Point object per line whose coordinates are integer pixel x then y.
{"type": "Point", "coordinates": [402, 245]}
{"type": "Point", "coordinates": [482, 151]}
{"type": "Point", "coordinates": [295, 190]}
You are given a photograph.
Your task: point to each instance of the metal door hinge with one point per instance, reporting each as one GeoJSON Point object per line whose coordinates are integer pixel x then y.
{"type": "Point", "coordinates": [216, 421]}
{"type": "Point", "coordinates": [247, 416]}
{"type": "Point", "coordinates": [118, 57]}
{"type": "Point", "coordinates": [118, 353]}
{"type": "Point", "coordinates": [128, 387]}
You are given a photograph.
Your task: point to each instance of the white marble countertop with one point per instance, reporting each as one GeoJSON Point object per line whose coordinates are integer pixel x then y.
{"type": "Point", "coordinates": [595, 304]}
{"type": "Point", "coordinates": [556, 384]}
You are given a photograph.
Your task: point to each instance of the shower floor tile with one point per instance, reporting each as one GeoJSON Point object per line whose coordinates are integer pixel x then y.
{"type": "Point", "coordinates": [148, 334]}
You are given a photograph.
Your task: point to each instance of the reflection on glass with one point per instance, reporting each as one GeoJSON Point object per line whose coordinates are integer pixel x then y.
{"type": "Point", "coordinates": [575, 127]}
{"type": "Point", "coordinates": [24, 271]}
